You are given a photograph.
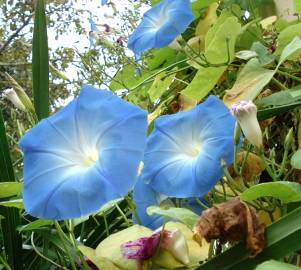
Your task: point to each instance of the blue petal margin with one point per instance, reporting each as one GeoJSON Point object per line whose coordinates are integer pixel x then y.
{"type": "Point", "coordinates": [144, 196]}
{"type": "Point", "coordinates": [185, 150]}
{"type": "Point", "coordinates": [161, 25]}
{"type": "Point", "coordinates": [82, 156]}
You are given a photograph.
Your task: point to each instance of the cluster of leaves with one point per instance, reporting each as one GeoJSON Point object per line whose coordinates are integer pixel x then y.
{"type": "Point", "coordinates": [224, 53]}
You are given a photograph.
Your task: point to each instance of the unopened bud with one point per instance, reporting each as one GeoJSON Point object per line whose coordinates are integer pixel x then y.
{"type": "Point", "coordinates": [20, 92]}
{"type": "Point", "coordinates": [237, 133]}
{"type": "Point", "coordinates": [289, 139]}
{"type": "Point", "coordinates": [245, 113]}
{"type": "Point", "coordinates": [11, 95]}
{"type": "Point", "coordinates": [175, 242]}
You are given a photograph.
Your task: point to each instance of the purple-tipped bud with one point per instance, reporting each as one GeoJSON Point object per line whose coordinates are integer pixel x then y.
{"type": "Point", "coordinates": [245, 113]}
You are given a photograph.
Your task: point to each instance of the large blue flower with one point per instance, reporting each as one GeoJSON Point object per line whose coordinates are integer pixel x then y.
{"type": "Point", "coordinates": [184, 151]}
{"type": "Point", "coordinates": [82, 156]}
{"type": "Point", "coordinates": [161, 25]}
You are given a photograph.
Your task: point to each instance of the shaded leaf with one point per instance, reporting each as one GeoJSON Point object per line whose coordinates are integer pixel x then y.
{"type": "Point", "coordinates": [18, 203]}
{"type": "Point", "coordinates": [264, 56]}
{"type": "Point", "coordinates": [182, 214]}
{"type": "Point", "coordinates": [246, 55]}
{"type": "Point", "coordinates": [285, 191]}
{"type": "Point", "coordinates": [8, 189]}
{"type": "Point", "coordinates": [160, 58]}
{"type": "Point", "coordinates": [296, 160]}
{"type": "Point", "coordinates": [35, 225]}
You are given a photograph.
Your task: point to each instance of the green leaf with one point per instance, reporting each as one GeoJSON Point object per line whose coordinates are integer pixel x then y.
{"type": "Point", "coordinates": [285, 191]}
{"type": "Point", "coordinates": [297, 6]}
{"type": "Point", "coordinates": [18, 203]}
{"type": "Point", "coordinates": [264, 56]}
{"type": "Point", "coordinates": [296, 160]}
{"type": "Point", "coordinates": [281, 240]}
{"type": "Point", "coordinates": [271, 112]}
{"type": "Point", "coordinates": [8, 189]}
{"type": "Point", "coordinates": [40, 62]}
{"type": "Point", "coordinates": [216, 51]}
{"type": "Point", "coordinates": [249, 34]}
{"type": "Point", "coordinates": [160, 85]}
{"type": "Point", "coordinates": [280, 98]}
{"type": "Point", "coordinates": [126, 78]}
{"type": "Point", "coordinates": [159, 58]}
{"type": "Point", "coordinates": [253, 77]}
{"type": "Point", "coordinates": [35, 225]}
{"type": "Point", "coordinates": [11, 238]}
{"type": "Point", "coordinates": [246, 54]}
{"type": "Point", "coordinates": [250, 81]}
{"type": "Point", "coordinates": [184, 215]}
{"type": "Point", "coordinates": [286, 36]}
{"type": "Point", "coordinates": [274, 265]}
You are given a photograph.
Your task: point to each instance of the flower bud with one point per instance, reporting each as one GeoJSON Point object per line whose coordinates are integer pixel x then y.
{"type": "Point", "coordinates": [175, 242]}
{"type": "Point", "coordinates": [289, 139]}
{"type": "Point", "coordinates": [245, 113]}
{"type": "Point", "coordinates": [11, 95]}
{"type": "Point", "coordinates": [20, 92]}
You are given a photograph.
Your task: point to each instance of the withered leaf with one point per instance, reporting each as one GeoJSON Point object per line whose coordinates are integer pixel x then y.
{"type": "Point", "coordinates": [232, 221]}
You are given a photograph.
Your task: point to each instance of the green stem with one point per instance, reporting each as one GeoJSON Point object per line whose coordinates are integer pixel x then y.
{"type": "Point", "coordinates": [41, 255]}
{"type": "Point", "coordinates": [74, 242]}
{"type": "Point", "coordinates": [122, 214]}
{"type": "Point", "coordinates": [267, 166]}
{"type": "Point", "coordinates": [295, 78]}
{"type": "Point", "coordinates": [133, 208]}
{"type": "Point", "coordinates": [4, 263]}
{"type": "Point", "coordinates": [63, 237]}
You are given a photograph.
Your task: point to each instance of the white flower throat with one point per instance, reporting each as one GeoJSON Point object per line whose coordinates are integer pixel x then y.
{"type": "Point", "coordinates": [90, 157]}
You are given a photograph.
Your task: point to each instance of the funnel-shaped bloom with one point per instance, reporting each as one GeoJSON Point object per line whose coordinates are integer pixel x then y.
{"type": "Point", "coordinates": [185, 150]}
{"type": "Point", "coordinates": [246, 114]}
{"type": "Point", "coordinates": [161, 25]}
{"type": "Point", "coordinates": [82, 156]}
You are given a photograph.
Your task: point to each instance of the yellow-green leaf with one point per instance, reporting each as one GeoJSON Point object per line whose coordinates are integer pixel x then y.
{"type": "Point", "coordinates": [8, 189]}
{"type": "Point", "coordinates": [219, 48]}
{"type": "Point", "coordinates": [160, 85]}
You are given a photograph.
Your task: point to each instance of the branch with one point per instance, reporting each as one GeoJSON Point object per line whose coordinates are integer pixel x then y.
{"type": "Point", "coordinates": [14, 35]}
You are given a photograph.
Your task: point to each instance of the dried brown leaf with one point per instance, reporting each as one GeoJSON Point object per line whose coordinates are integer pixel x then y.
{"type": "Point", "coordinates": [232, 221]}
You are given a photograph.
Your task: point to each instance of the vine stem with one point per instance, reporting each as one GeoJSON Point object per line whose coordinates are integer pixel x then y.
{"type": "Point", "coordinates": [63, 236]}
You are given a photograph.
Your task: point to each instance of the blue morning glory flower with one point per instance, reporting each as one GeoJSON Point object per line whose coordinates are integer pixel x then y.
{"type": "Point", "coordinates": [82, 156]}
{"type": "Point", "coordinates": [144, 196]}
{"type": "Point", "coordinates": [104, 2]}
{"type": "Point", "coordinates": [161, 25]}
{"type": "Point", "coordinates": [184, 151]}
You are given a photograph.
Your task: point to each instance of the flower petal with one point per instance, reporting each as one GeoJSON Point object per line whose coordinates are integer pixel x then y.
{"type": "Point", "coordinates": [184, 151]}
{"type": "Point", "coordinates": [82, 156]}
{"type": "Point", "coordinates": [161, 25]}
{"type": "Point", "coordinates": [145, 196]}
